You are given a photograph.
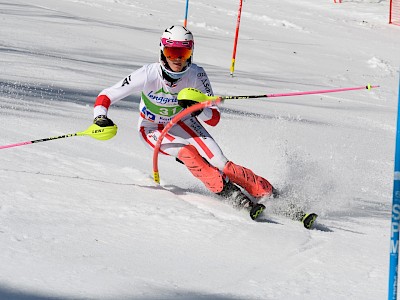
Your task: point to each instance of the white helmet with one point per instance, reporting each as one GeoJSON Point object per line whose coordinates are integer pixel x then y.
{"type": "Point", "coordinates": [176, 41]}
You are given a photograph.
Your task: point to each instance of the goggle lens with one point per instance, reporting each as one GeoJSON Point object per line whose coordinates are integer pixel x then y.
{"type": "Point", "coordinates": [177, 53]}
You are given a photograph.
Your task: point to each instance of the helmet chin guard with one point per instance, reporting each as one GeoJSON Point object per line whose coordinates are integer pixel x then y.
{"type": "Point", "coordinates": [175, 36]}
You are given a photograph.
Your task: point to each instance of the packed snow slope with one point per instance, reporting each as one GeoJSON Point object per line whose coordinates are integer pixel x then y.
{"type": "Point", "coordinates": [82, 218]}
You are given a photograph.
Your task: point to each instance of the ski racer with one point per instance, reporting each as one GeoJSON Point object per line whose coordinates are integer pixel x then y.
{"type": "Point", "coordinates": [188, 140]}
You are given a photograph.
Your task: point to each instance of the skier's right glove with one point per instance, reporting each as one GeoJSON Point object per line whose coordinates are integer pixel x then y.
{"type": "Point", "coordinates": [103, 121]}
{"type": "Point", "coordinates": [188, 103]}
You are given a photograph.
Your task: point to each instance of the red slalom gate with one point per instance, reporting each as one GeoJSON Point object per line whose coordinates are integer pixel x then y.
{"type": "Point", "coordinates": [394, 13]}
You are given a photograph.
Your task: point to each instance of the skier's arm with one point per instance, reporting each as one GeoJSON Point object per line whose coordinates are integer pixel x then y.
{"type": "Point", "coordinates": [209, 115]}
{"type": "Point", "coordinates": [130, 84]}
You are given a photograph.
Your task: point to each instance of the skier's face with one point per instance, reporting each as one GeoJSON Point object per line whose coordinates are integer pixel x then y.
{"type": "Point", "coordinates": [176, 64]}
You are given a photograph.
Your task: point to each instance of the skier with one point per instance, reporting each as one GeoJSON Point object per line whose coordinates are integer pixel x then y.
{"type": "Point", "coordinates": [188, 140]}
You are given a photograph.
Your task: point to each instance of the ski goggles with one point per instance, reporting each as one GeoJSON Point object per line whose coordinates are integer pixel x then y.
{"type": "Point", "coordinates": [177, 49]}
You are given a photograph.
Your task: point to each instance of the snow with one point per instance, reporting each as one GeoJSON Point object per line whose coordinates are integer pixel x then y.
{"type": "Point", "coordinates": [82, 218]}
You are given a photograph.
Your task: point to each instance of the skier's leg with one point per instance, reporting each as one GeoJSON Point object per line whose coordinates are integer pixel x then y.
{"type": "Point", "coordinates": [208, 157]}
{"type": "Point", "coordinates": [209, 175]}
{"type": "Point", "coordinates": [255, 185]}
{"type": "Point", "coordinates": [195, 134]}
{"type": "Point", "coordinates": [176, 144]}
{"type": "Point", "coordinates": [186, 132]}
{"type": "Point", "coordinates": [212, 177]}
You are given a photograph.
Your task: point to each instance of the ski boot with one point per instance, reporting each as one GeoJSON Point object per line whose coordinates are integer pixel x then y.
{"type": "Point", "coordinates": [234, 194]}
{"type": "Point", "coordinates": [275, 193]}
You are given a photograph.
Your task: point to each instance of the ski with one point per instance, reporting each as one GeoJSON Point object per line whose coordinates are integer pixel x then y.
{"type": "Point", "coordinates": [235, 197]}
{"type": "Point", "coordinates": [308, 220]}
{"type": "Point", "coordinates": [256, 210]}
{"type": "Point", "coordinates": [294, 212]}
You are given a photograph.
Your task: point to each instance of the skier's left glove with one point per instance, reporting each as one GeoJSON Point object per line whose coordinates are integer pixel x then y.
{"type": "Point", "coordinates": [103, 121]}
{"type": "Point", "coordinates": [188, 103]}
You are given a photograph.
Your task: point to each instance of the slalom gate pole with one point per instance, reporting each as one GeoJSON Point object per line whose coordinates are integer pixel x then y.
{"type": "Point", "coordinates": [395, 225]}
{"type": "Point", "coordinates": [94, 131]}
{"type": "Point", "coordinates": [206, 101]}
{"type": "Point", "coordinates": [176, 119]}
{"type": "Point", "coordinates": [186, 14]}
{"type": "Point", "coordinates": [390, 11]}
{"type": "Point", "coordinates": [236, 37]}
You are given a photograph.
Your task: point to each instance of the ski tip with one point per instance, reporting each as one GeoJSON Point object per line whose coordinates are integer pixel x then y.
{"type": "Point", "coordinates": [308, 220]}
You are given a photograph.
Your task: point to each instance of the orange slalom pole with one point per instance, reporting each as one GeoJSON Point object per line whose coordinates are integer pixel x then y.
{"type": "Point", "coordinates": [236, 38]}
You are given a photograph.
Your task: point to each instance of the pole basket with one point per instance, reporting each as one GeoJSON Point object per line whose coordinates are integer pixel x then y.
{"type": "Point", "coordinates": [394, 12]}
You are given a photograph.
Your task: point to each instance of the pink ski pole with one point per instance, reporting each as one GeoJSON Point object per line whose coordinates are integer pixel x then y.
{"type": "Point", "coordinates": [368, 87]}
{"type": "Point", "coordinates": [94, 131]}
{"type": "Point", "coordinates": [38, 141]}
{"type": "Point", "coordinates": [206, 101]}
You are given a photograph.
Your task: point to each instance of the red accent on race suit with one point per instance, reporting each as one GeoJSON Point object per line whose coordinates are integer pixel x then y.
{"type": "Point", "coordinates": [198, 140]}
{"type": "Point", "coordinates": [167, 136]}
{"type": "Point", "coordinates": [103, 100]}
{"type": "Point", "coordinates": [216, 116]}
{"type": "Point", "coordinates": [148, 141]}
{"type": "Point", "coordinates": [152, 145]}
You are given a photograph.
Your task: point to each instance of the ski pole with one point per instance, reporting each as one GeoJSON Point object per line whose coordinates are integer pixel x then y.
{"type": "Point", "coordinates": [94, 131]}
{"type": "Point", "coordinates": [198, 96]}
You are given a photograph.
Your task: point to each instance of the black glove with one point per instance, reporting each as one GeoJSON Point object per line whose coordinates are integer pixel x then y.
{"type": "Point", "coordinates": [188, 103]}
{"type": "Point", "coordinates": [103, 121]}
